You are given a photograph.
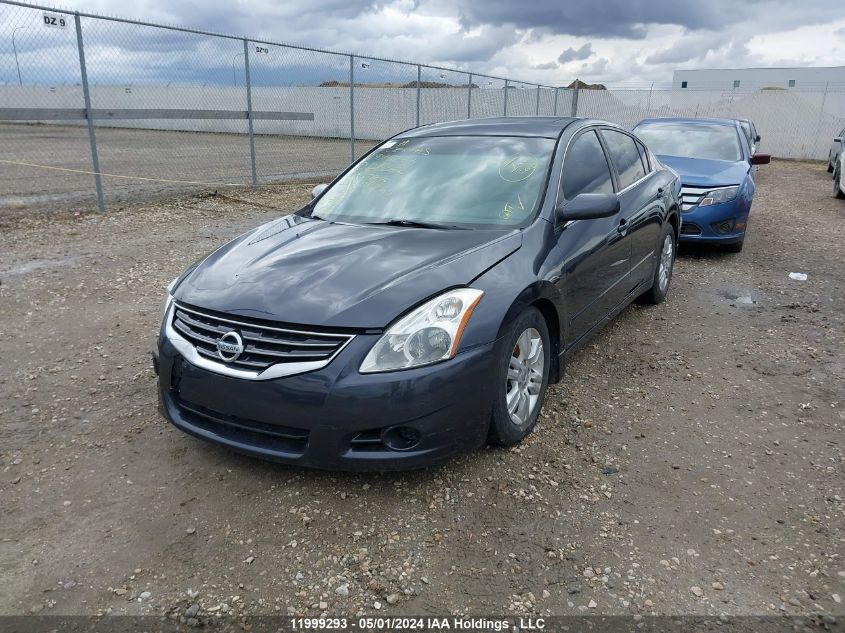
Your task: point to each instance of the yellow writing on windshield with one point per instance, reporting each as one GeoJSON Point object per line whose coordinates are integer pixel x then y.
{"type": "Point", "coordinates": [518, 168]}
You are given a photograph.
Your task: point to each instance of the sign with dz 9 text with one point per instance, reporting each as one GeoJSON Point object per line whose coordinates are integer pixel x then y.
{"type": "Point", "coordinates": [54, 20]}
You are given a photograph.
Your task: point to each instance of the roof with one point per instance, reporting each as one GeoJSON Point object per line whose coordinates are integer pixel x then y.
{"type": "Point", "coordinates": [798, 68]}
{"type": "Point", "coordinates": [539, 126]}
{"type": "Point", "coordinates": [728, 122]}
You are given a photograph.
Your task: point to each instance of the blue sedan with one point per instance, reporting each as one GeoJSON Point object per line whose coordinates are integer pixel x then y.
{"type": "Point", "coordinates": [716, 168]}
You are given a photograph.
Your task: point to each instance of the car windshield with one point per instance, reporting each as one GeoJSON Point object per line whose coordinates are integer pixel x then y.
{"type": "Point", "coordinates": [691, 140]}
{"type": "Point", "coordinates": [443, 181]}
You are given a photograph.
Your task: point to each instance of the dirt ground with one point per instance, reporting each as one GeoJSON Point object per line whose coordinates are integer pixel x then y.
{"type": "Point", "coordinates": [690, 462]}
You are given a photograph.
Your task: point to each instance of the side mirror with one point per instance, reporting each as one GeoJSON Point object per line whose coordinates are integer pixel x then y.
{"type": "Point", "coordinates": [588, 206]}
{"type": "Point", "coordinates": [761, 159]}
{"type": "Point", "coordinates": [316, 191]}
{"type": "Point", "coordinates": [757, 139]}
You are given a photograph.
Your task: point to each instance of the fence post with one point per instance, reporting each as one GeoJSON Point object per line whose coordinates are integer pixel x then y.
{"type": "Point", "coordinates": [555, 112]}
{"type": "Point", "coordinates": [249, 111]}
{"type": "Point", "coordinates": [537, 111]}
{"type": "Point", "coordinates": [469, 97]}
{"type": "Point", "coordinates": [92, 137]}
{"type": "Point", "coordinates": [506, 98]}
{"type": "Point", "coordinates": [352, 107]}
{"type": "Point", "coordinates": [821, 117]}
{"type": "Point", "coordinates": [574, 111]}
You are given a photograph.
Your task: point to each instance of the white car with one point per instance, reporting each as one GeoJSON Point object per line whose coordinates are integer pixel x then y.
{"type": "Point", "coordinates": [835, 150]}
{"type": "Point", "coordinates": [838, 178]}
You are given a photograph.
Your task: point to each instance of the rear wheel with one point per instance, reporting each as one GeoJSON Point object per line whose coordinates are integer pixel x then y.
{"type": "Point", "coordinates": [523, 376]}
{"type": "Point", "coordinates": [665, 264]}
{"type": "Point", "coordinates": [829, 163]}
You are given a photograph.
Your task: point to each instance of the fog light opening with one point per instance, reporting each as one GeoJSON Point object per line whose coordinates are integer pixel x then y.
{"type": "Point", "coordinates": [725, 226]}
{"type": "Point", "coordinates": [400, 438]}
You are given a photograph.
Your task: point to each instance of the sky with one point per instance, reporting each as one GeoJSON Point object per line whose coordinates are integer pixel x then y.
{"type": "Point", "coordinates": [615, 42]}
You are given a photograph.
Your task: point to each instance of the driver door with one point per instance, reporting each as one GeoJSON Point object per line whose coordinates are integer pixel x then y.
{"type": "Point", "coordinates": [596, 255]}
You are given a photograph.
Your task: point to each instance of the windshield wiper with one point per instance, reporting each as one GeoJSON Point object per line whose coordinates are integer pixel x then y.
{"type": "Point", "coordinates": [416, 224]}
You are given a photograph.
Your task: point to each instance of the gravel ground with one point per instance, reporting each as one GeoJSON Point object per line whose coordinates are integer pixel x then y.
{"type": "Point", "coordinates": [691, 462]}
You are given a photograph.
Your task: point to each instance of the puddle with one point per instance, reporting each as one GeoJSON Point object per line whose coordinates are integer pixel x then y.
{"type": "Point", "coordinates": [742, 297]}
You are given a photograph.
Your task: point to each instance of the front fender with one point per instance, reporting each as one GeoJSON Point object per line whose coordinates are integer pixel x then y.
{"type": "Point", "coordinates": [506, 296]}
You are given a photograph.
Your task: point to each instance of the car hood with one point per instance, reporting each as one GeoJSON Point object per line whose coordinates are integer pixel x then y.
{"type": "Point", "coordinates": [704, 172]}
{"type": "Point", "coordinates": [311, 272]}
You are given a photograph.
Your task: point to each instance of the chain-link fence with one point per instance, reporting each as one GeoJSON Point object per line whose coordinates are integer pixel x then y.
{"type": "Point", "coordinates": [97, 110]}
{"type": "Point", "coordinates": [793, 123]}
{"type": "Point", "coordinates": [103, 110]}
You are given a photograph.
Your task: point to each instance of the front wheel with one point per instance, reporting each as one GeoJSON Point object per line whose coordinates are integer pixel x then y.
{"type": "Point", "coordinates": [524, 358]}
{"type": "Point", "coordinates": [663, 271]}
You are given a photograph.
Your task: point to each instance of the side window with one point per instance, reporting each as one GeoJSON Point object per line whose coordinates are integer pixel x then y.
{"type": "Point", "coordinates": [625, 157]}
{"type": "Point", "coordinates": [585, 168]}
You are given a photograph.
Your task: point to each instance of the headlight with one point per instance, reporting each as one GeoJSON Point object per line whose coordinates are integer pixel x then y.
{"type": "Point", "coordinates": [426, 335]}
{"type": "Point", "coordinates": [717, 196]}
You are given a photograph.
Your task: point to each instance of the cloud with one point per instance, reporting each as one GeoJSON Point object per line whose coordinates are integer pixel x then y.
{"type": "Point", "coordinates": [631, 41]}
{"type": "Point", "coordinates": [630, 19]}
{"type": "Point", "coordinates": [598, 67]}
{"type": "Point", "coordinates": [689, 47]}
{"type": "Point", "coordinates": [571, 54]}
{"type": "Point", "coordinates": [609, 18]}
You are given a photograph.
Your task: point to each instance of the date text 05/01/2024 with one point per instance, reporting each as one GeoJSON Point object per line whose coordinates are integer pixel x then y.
{"type": "Point", "coordinates": [405, 623]}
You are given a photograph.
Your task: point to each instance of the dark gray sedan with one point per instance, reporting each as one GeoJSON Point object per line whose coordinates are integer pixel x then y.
{"type": "Point", "coordinates": [420, 304]}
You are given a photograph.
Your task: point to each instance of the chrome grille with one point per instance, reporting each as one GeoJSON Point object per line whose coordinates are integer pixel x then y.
{"type": "Point", "coordinates": [691, 196]}
{"type": "Point", "coordinates": [264, 345]}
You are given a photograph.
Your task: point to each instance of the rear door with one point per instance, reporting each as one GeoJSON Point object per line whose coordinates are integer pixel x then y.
{"type": "Point", "coordinates": [641, 200]}
{"type": "Point", "coordinates": [595, 259]}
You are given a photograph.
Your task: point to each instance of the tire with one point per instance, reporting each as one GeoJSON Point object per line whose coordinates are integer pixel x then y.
{"type": "Point", "coordinates": [837, 185]}
{"type": "Point", "coordinates": [529, 327]}
{"type": "Point", "coordinates": [829, 164]}
{"type": "Point", "coordinates": [667, 248]}
{"type": "Point", "coordinates": [736, 247]}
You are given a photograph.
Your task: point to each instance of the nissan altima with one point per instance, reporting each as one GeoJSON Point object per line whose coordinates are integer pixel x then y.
{"type": "Point", "coordinates": [422, 302]}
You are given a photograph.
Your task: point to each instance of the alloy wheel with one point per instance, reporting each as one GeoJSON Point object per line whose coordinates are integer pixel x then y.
{"type": "Point", "coordinates": [665, 266]}
{"type": "Point", "coordinates": [525, 376]}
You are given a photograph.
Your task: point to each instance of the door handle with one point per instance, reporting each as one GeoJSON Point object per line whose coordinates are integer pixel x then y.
{"type": "Point", "coordinates": [623, 226]}
{"type": "Point", "coordinates": [660, 191]}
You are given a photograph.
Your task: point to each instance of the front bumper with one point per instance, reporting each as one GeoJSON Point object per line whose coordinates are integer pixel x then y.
{"type": "Point", "coordinates": [709, 224]}
{"type": "Point", "coordinates": [335, 418]}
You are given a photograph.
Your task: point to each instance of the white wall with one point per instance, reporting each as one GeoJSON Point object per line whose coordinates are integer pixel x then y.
{"type": "Point", "coordinates": [723, 78]}
{"type": "Point", "coordinates": [794, 124]}
{"type": "Point", "coordinates": [379, 112]}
